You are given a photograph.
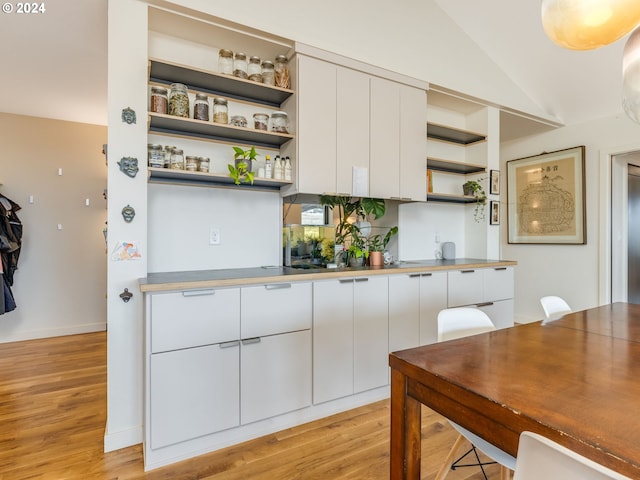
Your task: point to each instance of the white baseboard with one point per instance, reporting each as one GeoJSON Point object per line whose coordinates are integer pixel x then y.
{"type": "Point", "coordinates": [53, 332]}
{"type": "Point", "coordinates": [123, 438]}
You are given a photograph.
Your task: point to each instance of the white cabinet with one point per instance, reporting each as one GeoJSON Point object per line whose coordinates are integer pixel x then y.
{"type": "Point", "coordinates": [348, 119]}
{"type": "Point", "coordinates": [490, 289]}
{"type": "Point", "coordinates": [414, 302]}
{"type": "Point", "coordinates": [350, 336]}
{"type": "Point", "coordinates": [193, 392]}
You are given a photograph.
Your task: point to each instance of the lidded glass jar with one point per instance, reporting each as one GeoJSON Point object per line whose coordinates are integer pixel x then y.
{"type": "Point", "coordinates": [167, 155]}
{"type": "Point", "coordinates": [268, 73]}
{"type": "Point", "coordinates": [255, 70]}
{"type": "Point", "coordinates": [225, 61]}
{"type": "Point", "coordinates": [281, 68]}
{"type": "Point", "coordinates": [179, 100]}
{"type": "Point", "coordinates": [220, 110]}
{"type": "Point", "coordinates": [279, 122]}
{"type": "Point", "coordinates": [203, 164]}
{"type": "Point", "coordinates": [191, 163]}
{"type": "Point", "coordinates": [177, 159]}
{"type": "Point", "coordinates": [240, 66]}
{"type": "Point", "coordinates": [159, 100]}
{"type": "Point", "coordinates": [155, 156]}
{"type": "Point", "coordinates": [201, 107]}
{"type": "Point", "coordinates": [261, 121]}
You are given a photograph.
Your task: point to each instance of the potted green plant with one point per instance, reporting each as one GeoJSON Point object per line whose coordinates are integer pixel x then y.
{"type": "Point", "coordinates": [240, 171]}
{"type": "Point", "coordinates": [376, 245]}
{"type": "Point", "coordinates": [474, 188]}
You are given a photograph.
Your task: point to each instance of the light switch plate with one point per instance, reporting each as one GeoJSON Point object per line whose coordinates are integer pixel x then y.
{"type": "Point", "coordinates": [214, 236]}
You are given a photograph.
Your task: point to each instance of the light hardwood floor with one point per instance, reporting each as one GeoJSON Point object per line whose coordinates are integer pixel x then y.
{"type": "Point", "coordinates": [53, 414]}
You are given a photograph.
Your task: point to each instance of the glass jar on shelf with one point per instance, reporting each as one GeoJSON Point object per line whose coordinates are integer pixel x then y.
{"type": "Point", "coordinates": [191, 163]}
{"type": "Point", "coordinates": [255, 69]}
{"type": "Point", "coordinates": [282, 76]}
{"type": "Point", "coordinates": [201, 107]}
{"type": "Point", "coordinates": [155, 156]}
{"type": "Point", "coordinates": [261, 121]}
{"type": "Point", "coordinates": [279, 122]}
{"type": "Point", "coordinates": [268, 73]}
{"type": "Point", "coordinates": [220, 110]}
{"type": "Point", "coordinates": [203, 164]}
{"type": "Point", "coordinates": [240, 66]}
{"type": "Point", "coordinates": [159, 100]}
{"type": "Point", "coordinates": [179, 100]}
{"type": "Point", "coordinates": [225, 61]}
{"type": "Point", "coordinates": [177, 159]}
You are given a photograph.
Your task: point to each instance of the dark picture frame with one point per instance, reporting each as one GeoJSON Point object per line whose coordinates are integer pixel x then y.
{"type": "Point", "coordinates": [546, 198]}
{"type": "Point", "coordinates": [494, 212]}
{"type": "Point", "coordinates": [494, 182]}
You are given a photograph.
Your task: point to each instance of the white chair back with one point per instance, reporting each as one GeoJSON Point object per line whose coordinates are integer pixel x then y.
{"type": "Point", "coordinates": [461, 322]}
{"type": "Point", "coordinates": [554, 308]}
{"type": "Point", "coordinates": [539, 457]}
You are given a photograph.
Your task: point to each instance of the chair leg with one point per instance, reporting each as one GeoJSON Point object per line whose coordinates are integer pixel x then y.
{"type": "Point", "coordinates": [505, 473]}
{"type": "Point", "coordinates": [446, 465]}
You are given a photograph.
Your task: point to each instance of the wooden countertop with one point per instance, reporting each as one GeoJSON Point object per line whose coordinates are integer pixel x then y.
{"type": "Point", "coordinates": [199, 279]}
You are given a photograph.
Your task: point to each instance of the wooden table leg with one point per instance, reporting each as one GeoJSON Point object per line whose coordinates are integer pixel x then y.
{"type": "Point", "coordinates": [405, 431]}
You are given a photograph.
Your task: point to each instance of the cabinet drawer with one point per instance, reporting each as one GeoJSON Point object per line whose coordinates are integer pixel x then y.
{"type": "Point", "coordinates": [275, 308]}
{"type": "Point", "coordinates": [464, 287]}
{"type": "Point", "coordinates": [193, 318]}
{"type": "Point", "coordinates": [500, 313]}
{"type": "Point", "coordinates": [498, 283]}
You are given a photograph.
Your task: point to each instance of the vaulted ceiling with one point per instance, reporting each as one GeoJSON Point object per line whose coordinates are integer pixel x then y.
{"type": "Point", "coordinates": [54, 65]}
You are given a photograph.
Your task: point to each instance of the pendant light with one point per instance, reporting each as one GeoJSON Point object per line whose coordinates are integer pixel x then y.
{"type": "Point", "coordinates": [589, 24]}
{"type": "Point", "coordinates": [631, 76]}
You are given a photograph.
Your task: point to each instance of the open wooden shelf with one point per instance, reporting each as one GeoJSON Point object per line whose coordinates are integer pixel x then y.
{"type": "Point", "coordinates": [449, 198]}
{"type": "Point", "coordinates": [441, 165]}
{"type": "Point", "coordinates": [203, 179]}
{"type": "Point", "coordinates": [453, 135]}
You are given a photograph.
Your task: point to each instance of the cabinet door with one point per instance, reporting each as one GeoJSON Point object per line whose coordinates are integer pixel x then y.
{"type": "Point", "coordinates": [370, 333]}
{"type": "Point", "coordinates": [352, 127]}
{"type": "Point", "coordinates": [498, 283]}
{"type": "Point", "coordinates": [500, 313]}
{"type": "Point", "coordinates": [332, 339]}
{"type": "Point", "coordinates": [275, 375]}
{"type": "Point", "coordinates": [404, 311]}
{"type": "Point", "coordinates": [433, 298]}
{"type": "Point", "coordinates": [384, 169]}
{"type": "Point", "coordinates": [194, 392]}
{"type": "Point", "coordinates": [465, 287]}
{"type": "Point", "coordinates": [316, 135]}
{"type": "Point", "coordinates": [275, 308]}
{"type": "Point", "coordinates": [413, 143]}
{"type": "Point", "coordinates": [193, 318]}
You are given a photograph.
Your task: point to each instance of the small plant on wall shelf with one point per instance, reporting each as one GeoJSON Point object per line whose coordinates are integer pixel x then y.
{"type": "Point", "coordinates": [474, 188]}
{"type": "Point", "coordinates": [240, 170]}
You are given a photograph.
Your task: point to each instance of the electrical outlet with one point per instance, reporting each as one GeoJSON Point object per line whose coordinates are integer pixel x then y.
{"type": "Point", "coordinates": [214, 236]}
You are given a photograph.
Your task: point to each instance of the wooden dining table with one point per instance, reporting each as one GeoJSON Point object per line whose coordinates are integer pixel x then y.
{"type": "Point", "coordinates": [575, 380]}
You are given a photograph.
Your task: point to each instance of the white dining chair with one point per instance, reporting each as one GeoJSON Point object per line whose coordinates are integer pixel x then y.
{"type": "Point", "coordinates": [456, 323]}
{"type": "Point", "coordinates": [554, 307]}
{"type": "Point", "coordinates": [539, 457]}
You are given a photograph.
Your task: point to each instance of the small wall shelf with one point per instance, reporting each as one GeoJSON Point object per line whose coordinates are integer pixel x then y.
{"type": "Point", "coordinates": [453, 135]}
{"type": "Point", "coordinates": [203, 179]}
{"type": "Point", "coordinates": [441, 165]}
{"type": "Point", "coordinates": [449, 198]}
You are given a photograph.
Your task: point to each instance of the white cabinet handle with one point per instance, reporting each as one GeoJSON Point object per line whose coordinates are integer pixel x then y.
{"type": "Point", "coordinates": [230, 344]}
{"type": "Point", "coordinates": [197, 293]}
{"type": "Point", "coordinates": [251, 341]}
{"type": "Point", "coordinates": [277, 286]}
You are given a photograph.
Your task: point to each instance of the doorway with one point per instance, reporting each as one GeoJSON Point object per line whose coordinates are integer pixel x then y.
{"type": "Point", "coordinates": [633, 234]}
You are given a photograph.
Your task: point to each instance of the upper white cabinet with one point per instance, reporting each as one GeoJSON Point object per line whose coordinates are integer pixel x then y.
{"type": "Point", "coordinates": [358, 133]}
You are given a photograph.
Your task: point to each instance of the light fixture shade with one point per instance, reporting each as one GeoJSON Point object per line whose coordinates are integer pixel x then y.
{"type": "Point", "coordinates": [631, 76]}
{"type": "Point", "coordinates": [589, 24]}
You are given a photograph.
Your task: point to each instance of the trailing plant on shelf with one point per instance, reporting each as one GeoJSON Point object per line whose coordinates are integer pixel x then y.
{"type": "Point", "coordinates": [240, 171]}
{"type": "Point", "coordinates": [475, 189]}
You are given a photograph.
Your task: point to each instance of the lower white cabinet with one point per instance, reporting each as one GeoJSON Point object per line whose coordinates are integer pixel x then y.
{"type": "Point", "coordinates": [350, 336]}
{"type": "Point", "coordinates": [193, 392]}
{"type": "Point", "coordinates": [414, 302]}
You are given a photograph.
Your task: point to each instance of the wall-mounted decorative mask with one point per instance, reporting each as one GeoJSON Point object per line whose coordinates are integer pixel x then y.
{"type": "Point", "coordinates": [128, 213]}
{"type": "Point", "coordinates": [129, 166]}
{"type": "Point", "coordinates": [128, 116]}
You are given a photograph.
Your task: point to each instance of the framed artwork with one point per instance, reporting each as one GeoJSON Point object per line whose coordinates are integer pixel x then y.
{"type": "Point", "coordinates": [494, 182]}
{"type": "Point", "coordinates": [494, 213]}
{"type": "Point", "coordinates": [546, 198]}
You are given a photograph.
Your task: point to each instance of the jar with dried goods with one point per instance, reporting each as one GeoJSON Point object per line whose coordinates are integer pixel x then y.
{"type": "Point", "coordinates": [279, 122]}
{"type": "Point", "coordinates": [268, 73]}
{"type": "Point", "coordinates": [179, 100]}
{"type": "Point", "coordinates": [155, 155]}
{"type": "Point", "coordinates": [281, 68]}
{"type": "Point", "coordinates": [238, 121]}
{"type": "Point", "coordinates": [255, 69]}
{"type": "Point", "coordinates": [261, 121]}
{"type": "Point", "coordinates": [159, 100]}
{"type": "Point", "coordinates": [168, 150]}
{"type": "Point", "coordinates": [240, 66]}
{"type": "Point", "coordinates": [220, 111]}
{"type": "Point", "coordinates": [177, 159]}
{"type": "Point", "coordinates": [203, 164]}
{"type": "Point", "coordinates": [191, 163]}
{"type": "Point", "coordinates": [201, 107]}
{"type": "Point", "coordinates": [225, 61]}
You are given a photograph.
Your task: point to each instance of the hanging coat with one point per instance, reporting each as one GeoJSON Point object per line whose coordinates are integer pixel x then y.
{"type": "Point", "coordinates": [10, 245]}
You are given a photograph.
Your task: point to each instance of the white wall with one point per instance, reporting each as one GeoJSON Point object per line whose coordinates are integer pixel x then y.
{"type": "Point", "coordinates": [60, 283]}
{"type": "Point", "coordinates": [574, 272]}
